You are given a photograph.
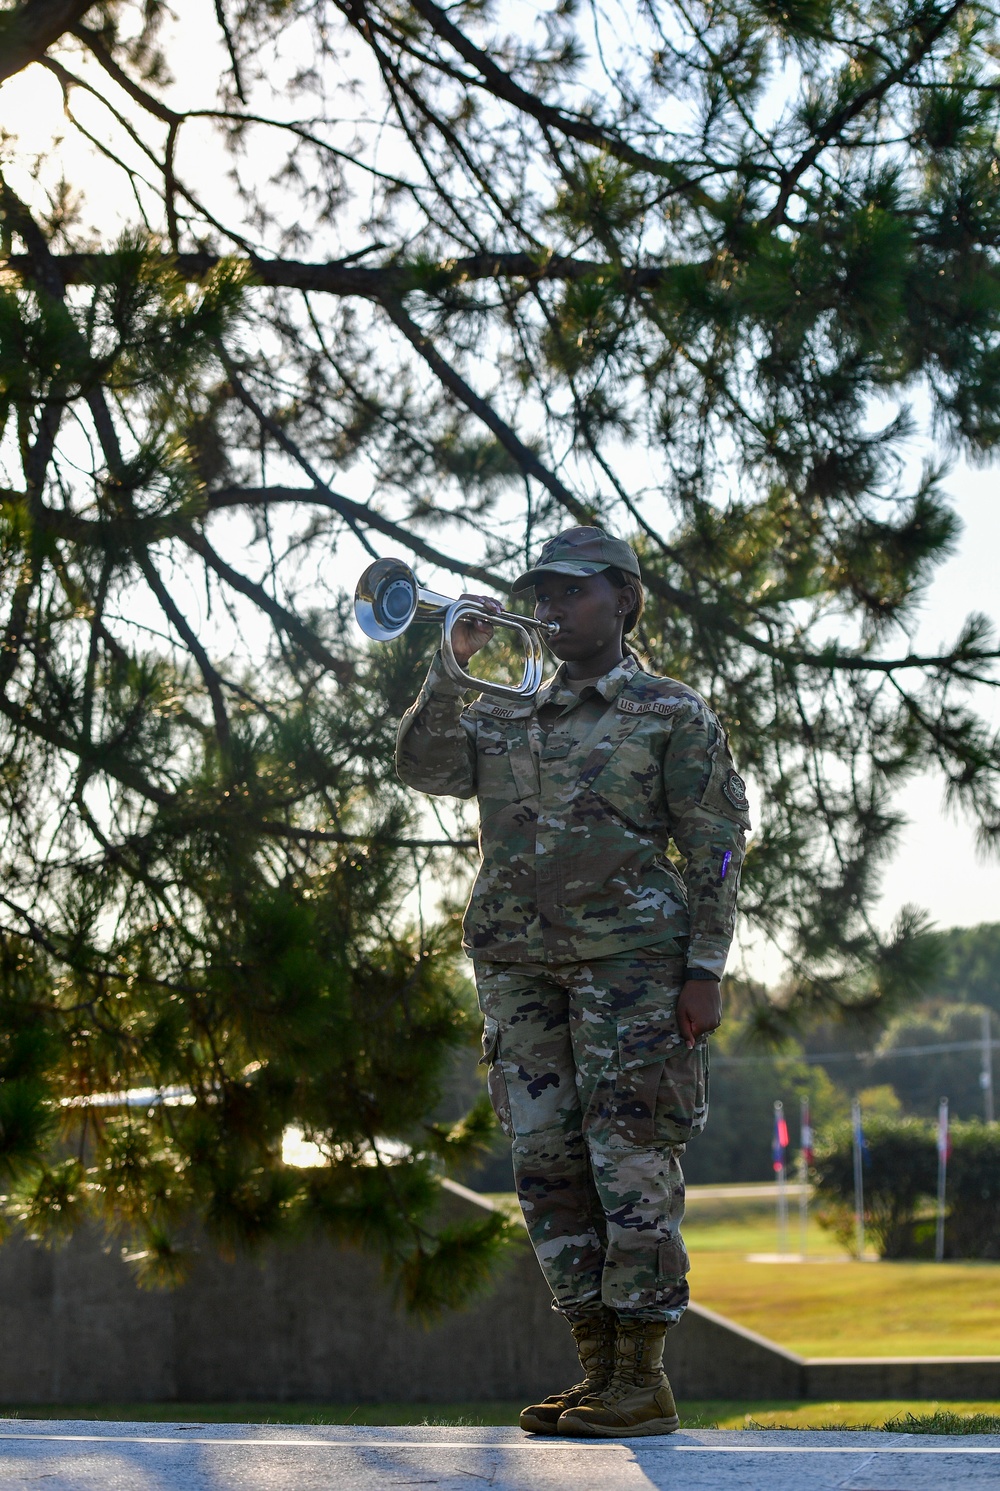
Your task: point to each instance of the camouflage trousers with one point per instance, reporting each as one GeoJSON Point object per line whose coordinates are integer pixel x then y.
{"type": "Point", "coordinates": [591, 1081]}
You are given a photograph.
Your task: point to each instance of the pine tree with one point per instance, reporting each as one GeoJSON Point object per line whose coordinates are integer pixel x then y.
{"type": "Point", "coordinates": [205, 870]}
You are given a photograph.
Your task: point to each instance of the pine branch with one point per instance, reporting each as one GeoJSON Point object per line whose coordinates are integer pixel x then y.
{"type": "Point", "coordinates": [98, 757]}
{"type": "Point", "coordinates": [453, 380]}
{"type": "Point", "coordinates": [342, 278]}
{"type": "Point", "coordinates": [921, 44]}
{"type": "Point", "coordinates": [179, 622]}
{"type": "Point", "coordinates": [27, 32]}
{"type": "Point", "coordinates": [234, 64]}
{"type": "Point", "coordinates": [573, 126]}
{"type": "Point", "coordinates": [365, 516]}
{"type": "Point", "coordinates": [94, 41]}
{"type": "Point", "coordinates": [286, 621]}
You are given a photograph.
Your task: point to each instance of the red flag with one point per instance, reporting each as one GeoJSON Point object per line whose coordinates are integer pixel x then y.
{"type": "Point", "coordinates": [780, 1143]}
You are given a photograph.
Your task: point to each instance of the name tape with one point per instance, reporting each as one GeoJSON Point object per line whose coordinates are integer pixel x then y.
{"type": "Point", "coordinates": [500, 711]}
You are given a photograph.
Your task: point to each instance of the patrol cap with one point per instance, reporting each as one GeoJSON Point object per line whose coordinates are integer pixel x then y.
{"type": "Point", "coordinates": [580, 551]}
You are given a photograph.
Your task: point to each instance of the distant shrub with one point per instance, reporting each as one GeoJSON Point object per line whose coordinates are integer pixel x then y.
{"type": "Point", "coordinates": [900, 1187]}
{"type": "Point", "coordinates": [972, 1229]}
{"type": "Point", "coordinates": [900, 1171]}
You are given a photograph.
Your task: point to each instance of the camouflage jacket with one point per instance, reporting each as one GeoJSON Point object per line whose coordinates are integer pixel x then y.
{"type": "Point", "coordinates": [576, 823]}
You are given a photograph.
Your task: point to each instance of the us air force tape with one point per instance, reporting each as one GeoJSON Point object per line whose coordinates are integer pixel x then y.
{"type": "Point", "coordinates": [735, 790]}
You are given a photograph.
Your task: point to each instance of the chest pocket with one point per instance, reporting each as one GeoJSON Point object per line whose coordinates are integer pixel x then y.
{"type": "Point", "coordinates": [505, 771]}
{"type": "Point", "coordinates": [630, 776]}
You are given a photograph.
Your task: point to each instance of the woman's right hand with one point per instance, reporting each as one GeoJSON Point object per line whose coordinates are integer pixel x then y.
{"type": "Point", "coordinates": [467, 637]}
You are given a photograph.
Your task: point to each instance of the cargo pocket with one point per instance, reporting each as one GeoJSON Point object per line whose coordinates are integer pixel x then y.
{"type": "Point", "coordinates": [496, 1082]}
{"type": "Point", "coordinates": [661, 1088]}
{"type": "Point", "coordinates": [672, 1260]}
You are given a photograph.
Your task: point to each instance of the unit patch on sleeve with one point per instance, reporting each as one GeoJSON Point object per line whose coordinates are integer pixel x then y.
{"type": "Point", "coordinates": [735, 790]}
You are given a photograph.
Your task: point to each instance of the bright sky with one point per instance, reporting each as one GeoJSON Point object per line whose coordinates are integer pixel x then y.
{"type": "Point", "coordinates": [937, 866]}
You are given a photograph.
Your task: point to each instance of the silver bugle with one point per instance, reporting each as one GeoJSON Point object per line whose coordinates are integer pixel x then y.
{"type": "Point", "coordinates": [388, 600]}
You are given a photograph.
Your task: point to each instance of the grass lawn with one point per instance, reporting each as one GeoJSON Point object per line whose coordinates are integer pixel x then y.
{"type": "Point", "coordinates": [857, 1309]}
{"type": "Point", "coordinates": [941, 1418]}
{"type": "Point", "coordinates": [837, 1308]}
{"type": "Point", "coordinates": [752, 1229]}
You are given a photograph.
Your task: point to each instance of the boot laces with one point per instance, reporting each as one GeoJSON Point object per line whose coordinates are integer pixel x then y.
{"type": "Point", "coordinates": [631, 1369]}
{"type": "Point", "coordinates": [596, 1347]}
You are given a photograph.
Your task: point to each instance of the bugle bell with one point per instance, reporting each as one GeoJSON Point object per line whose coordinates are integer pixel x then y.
{"type": "Point", "coordinates": [388, 600]}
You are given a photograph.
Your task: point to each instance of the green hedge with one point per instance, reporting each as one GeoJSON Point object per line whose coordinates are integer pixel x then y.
{"type": "Point", "coordinates": [900, 1185]}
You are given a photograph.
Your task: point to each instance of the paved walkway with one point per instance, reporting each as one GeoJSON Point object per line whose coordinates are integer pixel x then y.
{"type": "Point", "coordinates": [82, 1456]}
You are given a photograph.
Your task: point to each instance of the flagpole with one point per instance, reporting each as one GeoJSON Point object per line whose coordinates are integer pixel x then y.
{"type": "Point", "coordinates": [859, 1184]}
{"type": "Point", "coordinates": [780, 1141]}
{"type": "Point", "coordinates": [805, 1159]}
{"type": "Point", "coordinates": [986, 1074]}
{"type": "Point", "coordinates": [943, 1145]}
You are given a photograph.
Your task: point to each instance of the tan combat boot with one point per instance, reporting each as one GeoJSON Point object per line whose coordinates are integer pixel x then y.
{"type": "Point", "coordinates": [638, 1399]}
{"type": "Point", "coordinates": [594, 1328]}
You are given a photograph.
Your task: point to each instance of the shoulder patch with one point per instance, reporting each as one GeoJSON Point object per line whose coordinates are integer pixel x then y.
{"type": "Point", "coordinates": [648, 706]}
{"type": "Point", "coordinates": [734, 789]}
{"type": "Point", "coordinates": [669, 693]}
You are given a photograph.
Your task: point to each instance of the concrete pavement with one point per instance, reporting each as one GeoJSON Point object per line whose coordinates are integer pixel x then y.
{"type": "Point", "coordinates": [87, 1456]}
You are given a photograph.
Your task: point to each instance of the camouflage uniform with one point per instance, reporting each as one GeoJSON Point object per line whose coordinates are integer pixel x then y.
{"type": "Point", "coordinates": [581, 929]}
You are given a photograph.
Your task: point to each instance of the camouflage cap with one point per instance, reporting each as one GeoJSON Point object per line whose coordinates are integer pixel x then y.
{"type": "Point", "coordinates": [580, 551]}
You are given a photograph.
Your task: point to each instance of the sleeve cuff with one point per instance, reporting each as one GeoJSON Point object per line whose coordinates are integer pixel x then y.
{"type": "Point", "coordinates": [439, 684]}
{"type": "Point", "coordinates": [706, 959]}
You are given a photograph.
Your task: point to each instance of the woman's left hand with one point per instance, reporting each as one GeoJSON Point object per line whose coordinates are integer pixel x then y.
{"type": "Point", "coordinates": [699, 1009]}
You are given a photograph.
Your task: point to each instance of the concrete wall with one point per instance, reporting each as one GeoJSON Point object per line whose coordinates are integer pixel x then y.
{"type": "Point", "coordinates": [316, 1323]}
{"type": "Point", "coordinates": [708, 1356]}
{"type": "Point", "coordinates": [711, 1357]}
{"type": "Point", "coordinates": [944, 1377]}
{"type": "Point", "coordinates": [304, 1323]}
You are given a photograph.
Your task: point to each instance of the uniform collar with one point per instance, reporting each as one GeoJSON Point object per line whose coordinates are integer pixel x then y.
{"type": "Point", "coordinates": [609, 687]}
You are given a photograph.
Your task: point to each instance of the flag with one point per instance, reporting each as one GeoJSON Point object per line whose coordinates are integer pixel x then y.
{"type": "Point", "coordinates": [806, 1142]}
{"type": "Point", "coordinates": [944, 1133]}
{"type": "Point", "coordinates": [780, 1143]}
